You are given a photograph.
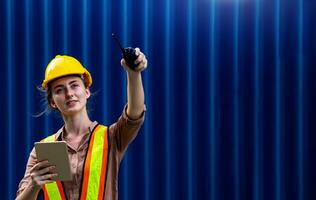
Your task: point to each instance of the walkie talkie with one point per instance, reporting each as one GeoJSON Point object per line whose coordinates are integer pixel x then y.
{"type": "Point", "coordinates": [128, 54]}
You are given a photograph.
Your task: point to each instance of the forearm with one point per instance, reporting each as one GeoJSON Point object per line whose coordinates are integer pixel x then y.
{"type": "Point", "coordinates": [29, 193]}
{"type": "Point", "coordinates": [135, 95]}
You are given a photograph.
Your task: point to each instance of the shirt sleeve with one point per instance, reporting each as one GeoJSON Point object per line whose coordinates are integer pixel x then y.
{"type": "Point", "coordinates": [124, 131]}
{"type": "Point", "coordinates": [27, 175]}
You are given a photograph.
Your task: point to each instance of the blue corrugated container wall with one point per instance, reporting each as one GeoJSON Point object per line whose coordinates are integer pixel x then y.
{"type": "Point", "coordinates": [230, 91]}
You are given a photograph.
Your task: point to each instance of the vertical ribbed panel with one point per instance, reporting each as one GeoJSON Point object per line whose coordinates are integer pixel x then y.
{"type": "Point", "coordinates": [167, 98]}
{"type": "Point", "coordinates": [189, 97]}
{"type": "Point", "coordinates": [236, 100]}
{"type": "Point", "coordinates": [85, 32]}
{"type": "Point", "coordinates": [229, 90]}
{"type": "Point", "coordinates": [65, 9]}
{"type": "Point", "coordinates": [10, 112]}
{"type": "Point", "coordinates": [300, 104]}
{"type": "Point", "coordinates": [28, 75]}
{"type": "Point", "coordinates": [105, 64]}
{"type": "Point", "coordinates": [46, 45]}
{"type": "Point", "coordinates": [257, 129]}
{"type": "Point", "coordinates": [213, 100]}
{"type": "Point", "coordinates": [278, 105]}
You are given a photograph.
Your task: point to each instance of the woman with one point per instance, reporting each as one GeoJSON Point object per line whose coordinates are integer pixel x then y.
{"type": "Point", "coordinates": [67, 85]}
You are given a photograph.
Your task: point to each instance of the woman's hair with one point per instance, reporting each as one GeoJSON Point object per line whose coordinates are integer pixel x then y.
{"type": "Point", "coordinates": [45, 101]}
{"type": "Point", "coordinates": [46, 98]}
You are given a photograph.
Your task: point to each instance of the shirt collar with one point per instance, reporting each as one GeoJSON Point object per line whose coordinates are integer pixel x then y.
{"type": "Point", "coordinates": [59, 133]}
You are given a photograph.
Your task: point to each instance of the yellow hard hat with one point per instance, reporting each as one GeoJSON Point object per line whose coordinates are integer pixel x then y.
{"type": "Point", "coordinates": [63, 66]}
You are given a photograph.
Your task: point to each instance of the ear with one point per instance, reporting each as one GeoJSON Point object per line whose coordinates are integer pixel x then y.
{"type": "Point", "coordinates": [53, 104]}
{"type": "Point", "coordinates": [88, 93]}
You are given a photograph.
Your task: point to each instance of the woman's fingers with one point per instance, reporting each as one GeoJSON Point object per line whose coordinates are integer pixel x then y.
{"type": "Point", "coordinates": [48, 176]}
{"type": "Point", "coordinates": [137, 51]}
{"type": "Point", "coordinates": [42, 173]}
{"type": "Point", "coordinates": [142, 65]}
{"type": "Point", "coordinates": [46, 170]}
{"type": "Point", "coordinates": [139, 59]}
{"type": "Point", "coordinates": [43, 179]}
{"type": "Point", "coordinates": [41, 164]}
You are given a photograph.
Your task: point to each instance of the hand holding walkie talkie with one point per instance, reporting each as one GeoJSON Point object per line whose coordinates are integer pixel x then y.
{"type": "Point", "coordinates": [133, 57]}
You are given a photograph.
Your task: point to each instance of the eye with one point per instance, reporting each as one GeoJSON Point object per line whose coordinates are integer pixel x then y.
{"type": "Point", "coordinates": [58, 90]}
{"type": "Point", "coordinates": [74, 85]}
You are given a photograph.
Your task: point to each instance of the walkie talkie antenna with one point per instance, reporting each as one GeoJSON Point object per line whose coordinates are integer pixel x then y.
{"type": "Point", "coordinates": [118, 42]}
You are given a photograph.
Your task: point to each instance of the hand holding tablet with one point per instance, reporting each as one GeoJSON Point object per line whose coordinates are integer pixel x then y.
{"type": "Point", "coordinates": [56, 154]}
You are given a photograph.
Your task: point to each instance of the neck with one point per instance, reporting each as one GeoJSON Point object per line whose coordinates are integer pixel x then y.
{"type": "Point", "coordinates": [77, 124]}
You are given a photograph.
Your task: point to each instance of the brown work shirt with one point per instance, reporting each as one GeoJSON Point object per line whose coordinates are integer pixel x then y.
{"type": "Point", "coordinates": [121, 134]}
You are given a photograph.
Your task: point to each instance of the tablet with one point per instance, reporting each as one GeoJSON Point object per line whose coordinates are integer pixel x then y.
{"type": "Point", "coordinates": [56, 154]}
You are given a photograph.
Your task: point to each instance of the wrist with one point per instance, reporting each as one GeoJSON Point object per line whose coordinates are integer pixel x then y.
{"type": "Point", "coordinates": [133, 74]}
{"type": "Point", "coordinates": [34, 186]}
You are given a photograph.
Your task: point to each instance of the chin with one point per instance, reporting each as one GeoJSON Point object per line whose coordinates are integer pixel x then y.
{"type": "Point", "coordinates": [72, 111]}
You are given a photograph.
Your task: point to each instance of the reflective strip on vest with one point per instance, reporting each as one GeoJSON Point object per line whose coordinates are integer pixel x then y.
{"type": "Point", "coordinates": [54, 191]}
{"type": "Point", "coordinates": [50, 138]}
{"type": "Point", "coordinates": [94, 174]}
{"type": "Point", "coordinates": [95, 167]}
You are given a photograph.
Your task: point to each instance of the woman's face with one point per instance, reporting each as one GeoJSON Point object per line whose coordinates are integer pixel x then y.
{"type": "Point", "coordinates": [69, 95]}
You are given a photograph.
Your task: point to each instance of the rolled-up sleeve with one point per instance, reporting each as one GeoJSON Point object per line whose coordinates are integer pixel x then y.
{"type": "Point", "coordinates": [27, 175]}
{"type": "Point", "coordinates": [124, 131]}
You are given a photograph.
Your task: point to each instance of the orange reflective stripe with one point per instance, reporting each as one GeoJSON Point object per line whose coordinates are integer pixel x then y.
{"type": "Point", "coordinates": [45, 193]}
{"type": "Point", "coordinates": [61, 190]}
{"type": "Point", "coordinates": [104, 164]}
{"type": "Point", "coordinates": [87, 168]}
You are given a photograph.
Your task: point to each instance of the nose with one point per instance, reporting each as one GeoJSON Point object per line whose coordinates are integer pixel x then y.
{"type": "Point", "coordinates": [69, 93]}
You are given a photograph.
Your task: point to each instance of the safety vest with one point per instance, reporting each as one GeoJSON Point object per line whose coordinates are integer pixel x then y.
{"type": "Point", "coordinates": [95, 169]}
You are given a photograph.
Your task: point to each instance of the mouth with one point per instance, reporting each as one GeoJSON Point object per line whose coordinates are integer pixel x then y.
{"type": "Point", "coordinates": [71, 102]}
